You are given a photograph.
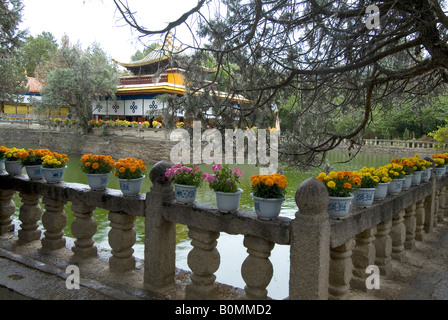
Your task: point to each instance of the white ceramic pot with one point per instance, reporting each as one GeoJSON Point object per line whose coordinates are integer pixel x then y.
{"type": "Point", "coordinates": [339, 207]}
{"type": "Point", "coordinates": [98, 182]}
{"type": "Point", "coordinates": [131, 187]}
{"type": "Point", "coordinates": [395, 187]}
{"type": "Point", "coordinates": [416, 178]}
{"type": "Point", "coordinates": [267, 209]}
{"type": "Point", "coordinates": [363, 197]}
{"type": "Point", "coordinates": [34, 172]}
{"type": "Point", "coordinates": [407, 181]}
{"type": "Point", "coordinates": [228, 201]}
{"type": "Point", "coordinates": [426, 175]}
{"type": "Point", "coordinates": [2, 165]}
{"type": "Point", "coordinates": [53, 175]}
{"type": "Point", "coordinates": [14, 168]}
{"type": "Point", "coordinates": [185, 193]}
{"type": "Point", "coordinates": [438, 171]}
{"type": "Point", "coordinates": [381, 191]}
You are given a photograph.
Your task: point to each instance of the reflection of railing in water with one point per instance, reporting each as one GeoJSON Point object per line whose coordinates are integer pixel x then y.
{"type": "Point", "coordinates": [327, 257]}
{"type": "Point", "coordinates": [404, 143]}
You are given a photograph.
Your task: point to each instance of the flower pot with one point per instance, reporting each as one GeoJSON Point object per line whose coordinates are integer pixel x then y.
{"type": "Point", "coordinates": [426, 175]}
{"type": "Point", "coordinates": [339, 207]}
{"type": "Point", "coordinates": [363, 197]}
{"type": "Point", "coordinates": [98, 182]}
{"type": "Point", "coordinates": [53, 175]}
{"type": "Point", "coordinates": [2, 165]}
{"type": "Point", "coordinates": [228, 201]}
{"type": "Point", "coordinates": [14, 168]}
{"type": "Point", "coordinates": [381, 191]}
{"type": "Point", "coordinates": [34, 172]}
{"type": "Point", "coordinates": [185, 193]}
{"type": "Point", "coordinates": [438, 171]}
{"type": "Point", "coordinates": [131, 187]}
{"type": "Point", "coordinates": [416, 178]}
{"type": "Point", "coordinates": [395, 187]}
{"type": "Point", "coordinates": [267, 209]}
{"type": "Point", "coordinates": [407, 181]}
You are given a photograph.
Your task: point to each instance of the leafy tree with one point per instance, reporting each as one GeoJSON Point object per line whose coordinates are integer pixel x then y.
{"type": "Point", "coordinates": [78, 79]}
{"type": "Point", "coordinates": [327, 53]}
{"type": "Point", "coordinates": [36, 51]}
{"type": "Point", "coordinates": [12, 79]}
{"type": "Point", "coordinates": [139, 55]}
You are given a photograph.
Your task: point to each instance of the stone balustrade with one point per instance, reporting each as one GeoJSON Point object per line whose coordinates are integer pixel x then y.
{"type": "Point", "coordinates": [404, 143]}
{"type": "Point", "coordinates": [328, 257]}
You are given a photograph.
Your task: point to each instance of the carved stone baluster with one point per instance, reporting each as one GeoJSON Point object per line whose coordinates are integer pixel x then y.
{"type": "Point", "coordinates": [7, 209]}
{"type": "Point", "coordinates": [257, 269]}
{"type": "Point", "coordinates": [121, 239]}
{"type": "Point", "coordinates": [341, 271]}
{"type": "Point", "coordinates": [54, 220]}
{"type": "Point", "coordinates": [398, 235]}
{"type": "Point", "coordinates": [420, 220]}
{"type": "Point", "coordinates": [442, 207]}
{"type": "Point", "coordinates": [203, 260]}
{"type": "Point", "coordinates": [29, 214]}
{"type": "Point", "coordinates": [410, 223]}
{"type": "Point", "coordinates": [383, 246]}
{"type": "Point", "coordinates": [83, 228]}
{"type": "Point", "coordinates": [363, 256]}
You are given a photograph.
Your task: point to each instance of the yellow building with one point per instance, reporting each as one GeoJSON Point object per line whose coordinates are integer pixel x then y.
{"type": "Point", "coordinates": [154, 75]}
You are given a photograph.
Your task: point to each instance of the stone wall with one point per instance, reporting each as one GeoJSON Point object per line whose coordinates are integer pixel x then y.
{"type": "Point", "coordinates": [150, 150]}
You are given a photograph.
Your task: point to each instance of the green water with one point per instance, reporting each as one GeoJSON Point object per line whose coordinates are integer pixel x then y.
{"type": "Point", "coordinates": [231, 247]}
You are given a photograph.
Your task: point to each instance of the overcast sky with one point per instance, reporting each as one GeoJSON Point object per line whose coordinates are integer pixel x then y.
{"type": "Point", "coordinates": [98, 20]}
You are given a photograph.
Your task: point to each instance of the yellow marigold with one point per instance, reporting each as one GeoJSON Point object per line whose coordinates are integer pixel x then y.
{"type": "Point", "coordinates": [331, 184]}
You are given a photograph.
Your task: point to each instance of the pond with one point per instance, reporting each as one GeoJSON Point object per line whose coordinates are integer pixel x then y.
{"type": "Point", "coordinates": [230, 247]}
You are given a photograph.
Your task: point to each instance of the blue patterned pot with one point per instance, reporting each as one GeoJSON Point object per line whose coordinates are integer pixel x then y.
{"type": "Point", "coordinates": [417, 178]}
{"type": "Point", "coordinates": [267, 209]}
{"type": "Point", "coordinates": [131, 187]}
{"type": "Point", "coordinates": [14, 168]}
{"type": "Point", "coordinates": [426, 175]}
{"type": "Point", "coordinates": [98, 182]}
{"type": "Point", "coordinates": [35, 172]}
{"type": "Point", "coordinates": [439, 171]}
{"type": "Point", "coordinates": [381, 191]}
{"type": "Point", "coordinates": [185, 193]}
{"type": "Point", "coordinates": [407, 181]}
{"type": "Point", "coordinates": [363, 197]}
{"type": "Point", "coordinates": [339, 207]}
{"type": "Point", "coordinates": [53, 175]}
{"type": "Point", "coordinates": [395, 187]}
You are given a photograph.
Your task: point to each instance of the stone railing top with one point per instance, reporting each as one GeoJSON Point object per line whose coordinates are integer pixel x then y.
{"type": "Point", "coordinates": [240, 222]}
{"type": "Point", "coordinates": [110, 199]}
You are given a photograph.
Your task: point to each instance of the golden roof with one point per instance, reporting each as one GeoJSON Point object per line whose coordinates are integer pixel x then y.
{"type": "Point", "coordinates": [160, 53]}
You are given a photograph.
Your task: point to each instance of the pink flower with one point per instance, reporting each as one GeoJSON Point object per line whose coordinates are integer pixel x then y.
{"type": "Point", "coordinates": [237, 171]}
{"type": "Point", "coordinates": [216, 167]}
{"type": "Point", "coordinates": [208, 177]}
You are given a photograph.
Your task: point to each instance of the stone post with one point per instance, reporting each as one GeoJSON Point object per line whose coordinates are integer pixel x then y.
{"type": "Point", "coordinates": [341, 270]}
{"type": "Point", "coordinates": [430, 202]}
{"type": "Point", "coordinates": [121, 239]}
{"type": "Point", "coordinates": [54, 220]}
{"type": "Point", "coordinates": [310, 243]}
{"type": "Point", "coordinates": [29, 214]}
{"type": "Point", "coordinates": [257, 269]}
{"type": "Point", "coordinates": [436, 208]}
{"type": "Point", "coordinates": [83, 228]}
{"type": "Point", "coordinates": [398, 236]}
{"type": "Point", "coordinates": [442, 206]}
{"type": "Point", "coordinates": [160, 235]}
{"type": "Point", "coordinates": [7, 209]}
{"type": "Point", "coordinates": [383, 247]}
{"type": "Point", "coordinates": [363, 255]}
{"type": "Point", "coordinates": [410, 223]}
{"type": "Point", "coordinates": [420, 220]}
{"type": "Point", "coordinates": [203, 261]}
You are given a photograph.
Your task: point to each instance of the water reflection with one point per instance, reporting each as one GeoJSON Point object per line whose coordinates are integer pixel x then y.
{"type": "Point", "coordinates": [230, 247]}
